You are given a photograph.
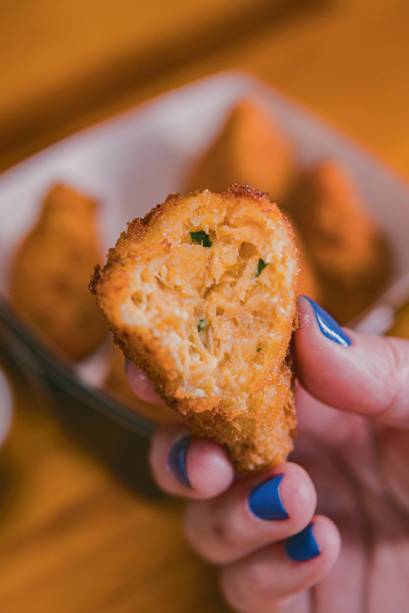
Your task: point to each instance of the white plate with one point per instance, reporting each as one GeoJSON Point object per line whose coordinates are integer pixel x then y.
{"type": "Point", "coordinates": [133, 161]}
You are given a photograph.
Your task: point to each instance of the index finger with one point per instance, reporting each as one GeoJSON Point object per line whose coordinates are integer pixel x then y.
{"type": "Point", "coordinates": [363, 374]}
{"type": "Point", "coordinates": [141, 385]}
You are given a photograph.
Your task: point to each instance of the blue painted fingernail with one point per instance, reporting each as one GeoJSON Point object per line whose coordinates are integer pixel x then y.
{"type": "Point", "coordinates": [302, 546]}
{"type": "Point", "coordinates": [265, 501]}
{"type": "Point", "coordinates": [328, 326]}
{"type": "Point", "coordinates": [177, 460]}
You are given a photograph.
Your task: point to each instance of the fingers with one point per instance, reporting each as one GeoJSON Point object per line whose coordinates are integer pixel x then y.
{"type": "Point", "coordinates": [188, 466]}
{"type": "Point", "coordinates": [263, 526]}
{"type": "Point", "coordinates": [141, 385]}
{"type": "Point", "coordinates": [352, 372]}
{"type": "Point", "coordinates": [260, 509]}
{"type": "Point", "coordinates": [268, 579]}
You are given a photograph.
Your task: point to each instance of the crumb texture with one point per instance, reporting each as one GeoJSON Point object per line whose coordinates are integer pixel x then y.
{"type": "Point", "coordinates": [201, 294]}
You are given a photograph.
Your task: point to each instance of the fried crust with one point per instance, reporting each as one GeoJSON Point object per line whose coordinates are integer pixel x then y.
{"type": "Point", "coordinates": [50, 270]}
{"type": "Point", "coordinates": [250, 148]}
{"type": "Point", "coordinates": [348, 252]}
{"type": "Point", "coordinates": [229, 382]}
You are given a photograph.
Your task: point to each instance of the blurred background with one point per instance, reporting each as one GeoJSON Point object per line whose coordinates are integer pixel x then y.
{"type": "Point", "coordinates": [66, 64]}
{"type": "Point", "coordinates": [81, 527]}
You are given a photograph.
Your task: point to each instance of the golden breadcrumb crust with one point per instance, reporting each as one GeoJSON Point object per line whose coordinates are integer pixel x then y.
{"type": "Point", "coordinates": [347, 250]}
{"type": "Point", "coordinates": [201, 294]}
{"type": "Point", "coordinates": [250, 148]}
{"type": "Point", "coordinates": [50, 271]}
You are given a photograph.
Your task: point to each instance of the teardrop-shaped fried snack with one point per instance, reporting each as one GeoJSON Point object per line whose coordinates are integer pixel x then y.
{"type": "Point", "coordinates": [50, 271]}
{"type": "Point", "coordinates": [201, 294]}
{"type": "Point", "coordinates": [348, 251]}
{"type": "Point", "coordinates": [250, 148]}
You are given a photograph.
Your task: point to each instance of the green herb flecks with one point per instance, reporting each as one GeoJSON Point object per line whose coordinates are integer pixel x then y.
{"type": "Point", "coordinates": [201, 325]}
{"type": "Point", "coordinates": [258, 349]}
{"type": "Point", "coordinates": [261, 266]}
{"type": "Point", "coordinates": [201, 238]}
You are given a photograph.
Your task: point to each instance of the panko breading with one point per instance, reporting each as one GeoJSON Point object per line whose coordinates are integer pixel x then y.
{"type": "Point", "coordinates": [201, 294]}
{"type": "Point", "coordinates": [117, 385]}
{"type": "Point", "coordinates": [349, 253]}
{"type": "Point", "coordinates": [50, 271]}
{"type": "Point", "coordinates": [250, 148]}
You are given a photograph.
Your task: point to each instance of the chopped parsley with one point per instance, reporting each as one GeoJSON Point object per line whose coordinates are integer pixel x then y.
{"type": "Point", "coordinates": [201, 238]}
{"type": "Point", "coordinates": [261, 266]}
{"type": "Point", "coordinates": [258, 349]}
{"type": "Point", "coordinates": [201, 325]}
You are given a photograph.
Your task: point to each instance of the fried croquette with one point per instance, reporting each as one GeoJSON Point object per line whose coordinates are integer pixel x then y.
{"type": "Point", "coordinates": [117, 385]}
{"type": "Point", "coordinates": [250, 148]}
{"type": "Point", "coordinates": [347, 250]}
{"type": "Point", "coordinates": [50, 272]}
{"type": "Point", "coordinates": [201, 294]}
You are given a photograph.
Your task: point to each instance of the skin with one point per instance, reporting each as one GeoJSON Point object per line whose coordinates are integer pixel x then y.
{"type": "Point", "coordinates": [353, 459]}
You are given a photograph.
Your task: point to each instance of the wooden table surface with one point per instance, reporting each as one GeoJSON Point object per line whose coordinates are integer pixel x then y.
{"type": "Point", "coordinates": [82, 529]}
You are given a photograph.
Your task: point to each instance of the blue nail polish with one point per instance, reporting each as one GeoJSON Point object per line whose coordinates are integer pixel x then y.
{"type": "Point", "coordinates": [328, 326]}
{"type": "Point", "coordinates": [177, 460]}
{"type": "Point", "coordinates": [302, 546]}
{"type": "Point", "coordinates": [265, 501]}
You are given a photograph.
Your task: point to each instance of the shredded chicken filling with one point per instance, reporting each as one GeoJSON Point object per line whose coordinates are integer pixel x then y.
{"type": "Point", "coordinates": [211, 302]}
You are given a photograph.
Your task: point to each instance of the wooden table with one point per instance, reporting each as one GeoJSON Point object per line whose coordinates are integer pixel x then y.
{"type": "Point", "coordinates": [82, 529]}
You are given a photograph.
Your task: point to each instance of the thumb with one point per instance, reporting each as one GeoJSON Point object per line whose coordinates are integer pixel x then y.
{"type": "Point", "coordinates": [360, 373]}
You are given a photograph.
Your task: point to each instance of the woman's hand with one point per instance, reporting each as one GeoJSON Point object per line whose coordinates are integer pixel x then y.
{"type": "Point", "coordinates": [278, 550]}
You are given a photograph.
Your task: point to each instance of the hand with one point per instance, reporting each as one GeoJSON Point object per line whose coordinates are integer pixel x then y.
{"type": "Point", "coordinates": [278, 550]}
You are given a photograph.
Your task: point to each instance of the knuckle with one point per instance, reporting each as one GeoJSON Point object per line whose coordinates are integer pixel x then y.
{"type": "Point", "coordinates": [210, 534]}
{"type": "Point", "coordinates": [225, 533]}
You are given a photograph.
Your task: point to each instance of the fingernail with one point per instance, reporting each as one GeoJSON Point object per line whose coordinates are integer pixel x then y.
{"type": "Point", "coordinates": [177, 460]}
{"type": "Point", "coordinates": [328, 326]}
{"type": "Point", "coordinates": [265, 501]}
{"type": "Point", "coordinates": [302, 546]}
